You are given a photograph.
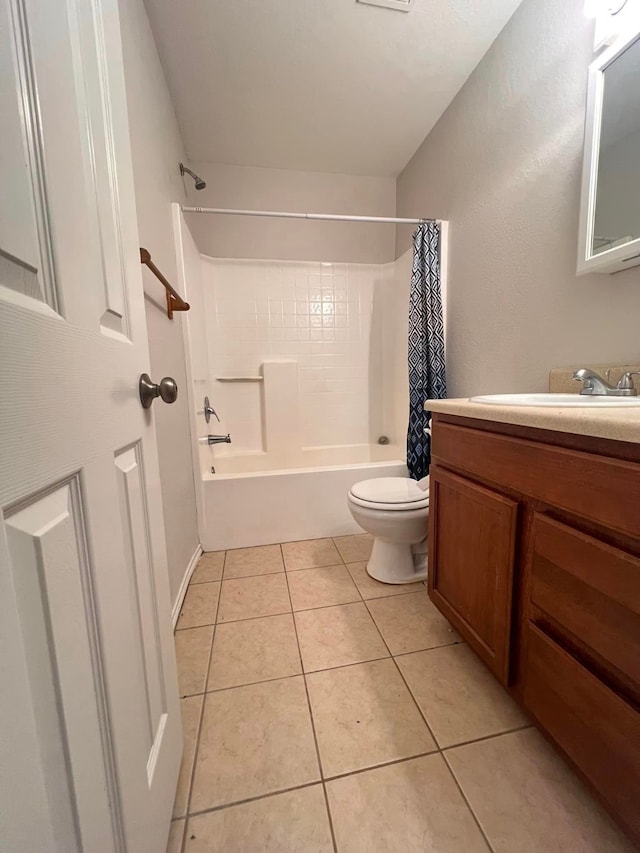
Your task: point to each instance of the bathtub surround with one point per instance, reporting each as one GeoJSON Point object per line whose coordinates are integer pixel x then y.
{"type": "Point", "coordinates": [503, 164]}
{"type": "Point", "coordinates": [318, 318]}
{"type": "Point", "coordinates": [305, 364]}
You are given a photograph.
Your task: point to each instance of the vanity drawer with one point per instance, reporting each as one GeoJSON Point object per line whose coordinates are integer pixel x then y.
{"type": "Point", "coordinates": [597, 729]}
{"type": "Point", "coordinates": [599, 488]}
{"type": "Point", "coordinates": [589, 589]}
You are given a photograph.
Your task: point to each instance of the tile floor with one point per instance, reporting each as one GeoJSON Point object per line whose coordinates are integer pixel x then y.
{"type": "Point", "coordinates": [324, 711]}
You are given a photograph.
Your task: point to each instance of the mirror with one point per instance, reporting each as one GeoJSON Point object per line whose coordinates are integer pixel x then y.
{"type": "Point", "coordinates": [610, 216]}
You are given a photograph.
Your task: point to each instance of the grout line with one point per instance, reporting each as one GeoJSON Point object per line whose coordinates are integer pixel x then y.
{"type": "Point", "coordinates": [308, 609]}
{"type": "Point", "coordinates": [309, 568]}
{"type": "Point", "coordinates": [199, 731]}
{"type": "Point", "coordinates": [313, 726]}
{"type": "Point", "coordinates": [257, 575]}
{"type": "Point", "coordinates": [395, 663]}
{"type": "Point", "coordinates": [347, 666]}
{"type": "Point", "coordinates": [327, 669]}
{"type": "Point", "coordinates": [255, 799]}
{"type": "Point", "coordinates": [382, 764]}
{"type": "Point", "coordinates": [464, 797]}
{"type": "Point", "coordinates": [358, 772]}
{"type": "Point", "coordinates": [438, 750]}
{"type": "Point", "coordinates": [224, 560]}
{"type": "Point", "coordinates": [485, 737]}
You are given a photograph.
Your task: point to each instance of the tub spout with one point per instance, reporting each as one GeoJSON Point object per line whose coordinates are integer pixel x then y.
{"type": "Point", "coordinates": [219, 439]}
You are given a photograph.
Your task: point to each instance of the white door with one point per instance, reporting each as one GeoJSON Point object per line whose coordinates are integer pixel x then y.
{"type": "Point", "coordinates": [90, 735]}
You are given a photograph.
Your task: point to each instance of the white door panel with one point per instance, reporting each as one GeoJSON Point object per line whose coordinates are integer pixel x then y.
{"type": "Point", "coordinates": [47, 541]}
{"type": "Point", "coordinates": [91, 736]}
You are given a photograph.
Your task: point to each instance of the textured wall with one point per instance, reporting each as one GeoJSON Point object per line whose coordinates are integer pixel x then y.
{"type": "Point", "coordinates": [157, 150]}
{"type": "Point", "coordinates": [251, 188]}
{"type": "Point", "coordinates": [503, 165]}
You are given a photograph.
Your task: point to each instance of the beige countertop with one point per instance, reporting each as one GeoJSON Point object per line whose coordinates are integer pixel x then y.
{"type": "Point", "coordinates": [613, 423]}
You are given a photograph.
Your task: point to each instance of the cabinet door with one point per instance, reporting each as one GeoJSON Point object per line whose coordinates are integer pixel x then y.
{"type": "Point", "coordinates": [471, 563]}
{"type": "Point", "coordinates": [593, 724]}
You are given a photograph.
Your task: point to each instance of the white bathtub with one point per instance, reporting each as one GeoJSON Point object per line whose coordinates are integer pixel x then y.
{"type": "Point", "coordinates": [246, 502]}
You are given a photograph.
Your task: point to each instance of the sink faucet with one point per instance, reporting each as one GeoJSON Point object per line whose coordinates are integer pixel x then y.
{"type": "Point", "coordinates": [596, 386]}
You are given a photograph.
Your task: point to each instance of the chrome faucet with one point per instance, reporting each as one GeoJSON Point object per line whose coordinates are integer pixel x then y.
{"type": "Point", "coordinates": [219, 439]}
{"type": "Point", "coordinates": [209, 410]}
{"type": "Point", "coordinates": [596, 386]}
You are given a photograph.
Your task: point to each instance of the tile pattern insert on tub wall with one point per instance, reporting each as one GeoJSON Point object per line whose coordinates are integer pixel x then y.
{"type": "Point", "coordinates": [318, 314]}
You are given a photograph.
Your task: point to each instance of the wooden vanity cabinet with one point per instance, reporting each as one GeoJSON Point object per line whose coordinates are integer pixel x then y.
{"type": "Point", "coordinates": [535, 560]}
{"type": "Point", "coordinates": [473, 526]}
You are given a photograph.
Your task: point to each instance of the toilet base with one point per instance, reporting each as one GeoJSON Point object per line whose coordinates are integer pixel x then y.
{"type": "Point", "coordinates": [395, 562]}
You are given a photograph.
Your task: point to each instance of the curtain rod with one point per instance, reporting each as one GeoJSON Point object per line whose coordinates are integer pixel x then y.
{"type": "Point", "coordinates": [320, 216]}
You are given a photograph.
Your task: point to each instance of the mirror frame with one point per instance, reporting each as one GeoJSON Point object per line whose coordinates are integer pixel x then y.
{"type": "Point", "coordinates": [620, 257]}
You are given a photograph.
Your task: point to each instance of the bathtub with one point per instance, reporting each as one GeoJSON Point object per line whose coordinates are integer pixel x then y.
{"type": "Point", "coordinates": [252, 500]}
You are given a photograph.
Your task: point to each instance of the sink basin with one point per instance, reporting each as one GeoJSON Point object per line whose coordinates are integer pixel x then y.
{"type": "Point", "coordinates": [556, 400]}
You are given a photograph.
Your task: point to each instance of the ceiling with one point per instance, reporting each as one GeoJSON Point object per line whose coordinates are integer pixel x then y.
{"type": "Point", "coordinates": [317, 85]}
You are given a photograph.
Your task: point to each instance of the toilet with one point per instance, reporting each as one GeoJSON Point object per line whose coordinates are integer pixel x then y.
{"type": "Point", "coordinates": [395, 510]}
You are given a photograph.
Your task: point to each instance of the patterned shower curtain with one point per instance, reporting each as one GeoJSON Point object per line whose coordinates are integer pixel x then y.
{"type": "Point", "coordinates": [427, 379]}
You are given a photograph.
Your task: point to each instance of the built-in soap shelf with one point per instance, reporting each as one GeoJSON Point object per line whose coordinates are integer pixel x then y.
{"type": "Point", "coordinates": [239, 378]}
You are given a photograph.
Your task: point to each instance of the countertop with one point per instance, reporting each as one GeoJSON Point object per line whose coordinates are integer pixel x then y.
{"type": "Point", "coordinates": [614, 423]}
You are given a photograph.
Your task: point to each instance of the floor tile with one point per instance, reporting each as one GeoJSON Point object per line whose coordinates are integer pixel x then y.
{"type": "Point", "coordinates": [193, 646]}
{"type": "Point", "coordinates": [335, 636]}
{"type": "Point", "coordinates": [310, 554]}
{"type": "Point", "coordinates": [410, 623]}
{"type": "Point", "coordinates": [261, 560]}
{"type": "Point", "coordinates": [459, 697]}
{"type": "Point", "coordinates": [371, 588]}
{"type": "Point", "coordinates": [209, 567]}
{"type": "Point", "coordinates": [285, 823]}
{"type": "Point", "coordinates": [364, 715]}
{"type": "Point", "coordinates": [190, 710]}
{"type": "Point", "coordinates": [199, 605]}
{"type": "Point", "coordinates": [411, 807]}
{"type": "Point", "coordinates": [354, 548]}
{"type": "Point", "coordinates": [323, 587]}
{"type": "Point", "coordinates": [255, 650]}
{"type": "Point", "coordinates": [244, 598]}
{"type": "Point", "coordinates": [254, 740]}
{"type": "Point", "coordinates": [527, 799]}
{"type": "Point", "coordinates": [174, 845]}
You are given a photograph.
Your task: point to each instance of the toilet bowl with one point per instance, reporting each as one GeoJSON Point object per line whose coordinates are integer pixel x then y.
{"type": "Point", "coordinates": [395, 510]}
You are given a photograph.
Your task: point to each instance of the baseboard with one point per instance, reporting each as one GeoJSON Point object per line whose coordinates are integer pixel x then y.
{"type": "Point", "coordinates": [177, 607]}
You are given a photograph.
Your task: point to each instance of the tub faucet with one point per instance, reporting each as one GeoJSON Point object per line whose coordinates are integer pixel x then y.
{"type": "Point", "coordinates": [219, 439]}
{"type": "Point", "coordinates": [596, 386]}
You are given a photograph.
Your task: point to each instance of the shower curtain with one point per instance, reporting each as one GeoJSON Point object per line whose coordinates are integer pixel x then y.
{"type": "Point", "coordinates": [427, 379]}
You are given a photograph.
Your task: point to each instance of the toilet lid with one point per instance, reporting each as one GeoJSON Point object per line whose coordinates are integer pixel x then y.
{"type": "Point", "coordinates": [390, 491]}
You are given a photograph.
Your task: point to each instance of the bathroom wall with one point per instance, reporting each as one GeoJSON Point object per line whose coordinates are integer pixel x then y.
{"type": "Point", "coordinates": [503, 164]}
{"type": "Point", "coordinates": [323, 317]}
{"type": "Point", "coordinates": [288, 239]}
{"type": "Point", "coordinates": [157, 150]}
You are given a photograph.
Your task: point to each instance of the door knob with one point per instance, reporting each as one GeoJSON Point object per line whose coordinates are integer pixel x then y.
{"type": "Point", "coordinates": [167, 389]}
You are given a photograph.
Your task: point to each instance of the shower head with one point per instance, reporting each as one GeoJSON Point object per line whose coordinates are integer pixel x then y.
{"type": "Point", "coordinates": [200, 184]}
